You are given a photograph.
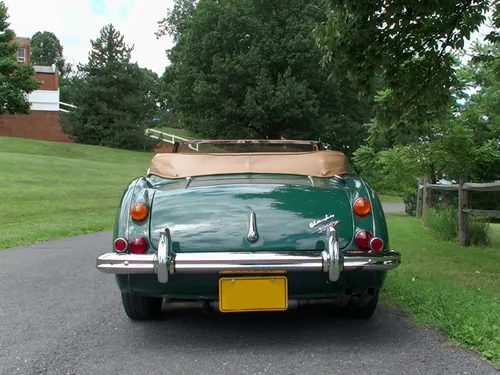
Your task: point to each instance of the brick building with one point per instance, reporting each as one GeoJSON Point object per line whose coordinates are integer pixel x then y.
{"type": "Point", "coordinates": [43, 120]}
{"type": "Point", "coordinates": [23, 53]}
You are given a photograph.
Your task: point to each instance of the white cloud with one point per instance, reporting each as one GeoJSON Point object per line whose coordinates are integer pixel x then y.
{"type": "Point", "coordinates": [75, 25]}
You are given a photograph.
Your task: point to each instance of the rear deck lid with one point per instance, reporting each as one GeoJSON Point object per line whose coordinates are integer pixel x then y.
{"type": "Point", "coordinates": [218, 217]}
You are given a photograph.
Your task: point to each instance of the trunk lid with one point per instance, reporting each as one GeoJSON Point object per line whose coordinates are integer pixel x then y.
{"type": "Point", "coordinates": [216, 217]}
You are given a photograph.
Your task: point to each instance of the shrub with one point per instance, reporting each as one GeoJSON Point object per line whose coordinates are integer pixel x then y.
{"type": "Point", "coordinates": [443, 223]}
{"type": "Point", "coordinates": [410, 200]}
{"type": "Point", "coordinates": [479, 231]}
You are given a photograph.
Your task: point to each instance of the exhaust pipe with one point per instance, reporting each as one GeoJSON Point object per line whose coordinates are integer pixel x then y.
{"type": "Point", "coordinates": [366, 297]}
{"type": "Point", "coordinates": [208, 306]}
{"type": "Point", "coordinates": [345, 297]}
{"type": "Point", "coordinates": [341, 301]}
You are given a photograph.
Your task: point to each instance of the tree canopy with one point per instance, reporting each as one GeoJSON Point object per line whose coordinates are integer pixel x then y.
{"type": "Point", "coordinates": [247, 68]}
{"type": "Point", "coordinates": [16, 80]}
{"type": "Point", "coordinates": [114, 97]}
{"type": "Point", "coordinates": [402, 51]}
{"type": "Point", "coordinates": [46, 49]}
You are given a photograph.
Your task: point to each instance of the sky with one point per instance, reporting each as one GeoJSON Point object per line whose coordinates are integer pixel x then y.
{"type": "Point", "coordinates": [76, 22]}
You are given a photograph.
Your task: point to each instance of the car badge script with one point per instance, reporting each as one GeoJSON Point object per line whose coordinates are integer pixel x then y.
{"type": "Point", "coordinates": [323, 228]}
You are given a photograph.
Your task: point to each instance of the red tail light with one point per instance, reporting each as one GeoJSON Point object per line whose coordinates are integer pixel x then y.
{"type": "Point", "coordinates": [376, 244]}
{"type": "Point", "coordinates": [362, 239]}
{"type": "Point", "coordinates": [120, 245]}
{"type": "Point", "coordinates": [138, 245]}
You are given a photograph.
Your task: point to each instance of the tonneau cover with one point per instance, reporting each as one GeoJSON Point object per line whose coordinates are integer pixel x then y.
{"type": "Point", "coordinates": [314, 164]}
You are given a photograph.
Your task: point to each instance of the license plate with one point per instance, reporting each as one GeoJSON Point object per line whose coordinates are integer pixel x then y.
{"type": "Point", "coordinates": [245, 294]}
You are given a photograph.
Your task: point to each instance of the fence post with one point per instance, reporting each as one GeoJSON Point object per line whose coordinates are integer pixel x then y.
{"type": "Point", "coordinates": [426, 194]}
{"type": "Point", "coordinates": [462, 216]}
{"type": "Point", "coordinates": [420, 197]}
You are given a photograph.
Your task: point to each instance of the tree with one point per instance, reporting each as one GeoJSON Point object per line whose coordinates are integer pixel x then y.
{"type": "Point", "coordinates": [175, 22]}
{"type": "Point", "coordinates": [46, 49]}
{"type": "Point", "coordinates": [247, 68]}
{"type": "Point", "coordinates": [114, 97]}
{"type": "Point", "coordinates": [402, 50]}
{"type": "Point", "coordinates": [466, 140]}
{"type": "Point", "coordinates": [16, 80]}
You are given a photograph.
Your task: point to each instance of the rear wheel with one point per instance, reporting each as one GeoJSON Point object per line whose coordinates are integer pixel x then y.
{"type": "Point", "coordinates": [354, 310]}
{"type": "Point", "coordinates": [141, 308]}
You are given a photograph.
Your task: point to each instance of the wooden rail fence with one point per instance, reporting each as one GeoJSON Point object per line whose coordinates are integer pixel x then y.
{"type": "Point", "coordinates": [425, 194]}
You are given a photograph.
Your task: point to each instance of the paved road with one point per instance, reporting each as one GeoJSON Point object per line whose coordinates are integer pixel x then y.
{"type": "Point", "coordinates": [58, 315]}
{"type": "Point", "coordinates": [394, 207]}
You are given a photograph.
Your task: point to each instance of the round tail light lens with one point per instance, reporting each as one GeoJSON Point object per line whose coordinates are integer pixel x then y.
{"type": "Point", "coordinates": [138, 245]}
{"type": "Point", "coordinates": [376, 244]}
{"type": "Point", "coordinates": [120, 245]}
{"type": "Point", "coordinates": [362, 206]}
{"type": "Point", "coordinates": [362, 239]}
{"type": "Point", "coordinates": [139, 211]}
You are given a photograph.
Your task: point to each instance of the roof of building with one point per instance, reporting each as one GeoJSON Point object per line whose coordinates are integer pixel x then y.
{"type": "Point", "coordinates": [45, 69]}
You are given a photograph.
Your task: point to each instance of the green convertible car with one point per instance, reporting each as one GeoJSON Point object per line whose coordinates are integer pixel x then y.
{"type": "Point", "coordinates": [249, 225]}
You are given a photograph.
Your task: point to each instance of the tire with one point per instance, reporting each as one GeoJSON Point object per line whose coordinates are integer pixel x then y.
{"type": "Point", "coordinates": [353, 310]}
{"type": "Point", "coordinates": [141, 308]}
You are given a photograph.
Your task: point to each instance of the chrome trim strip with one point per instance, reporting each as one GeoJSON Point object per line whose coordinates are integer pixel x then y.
{"type": "Point", "coordinates": [116, 263]}
{"type": "Point", "coordinates": [372, 263]}
{"type": "Point", "coordinates": [374, 223]}
{"type": "Point", "coordinates": [199, 262]}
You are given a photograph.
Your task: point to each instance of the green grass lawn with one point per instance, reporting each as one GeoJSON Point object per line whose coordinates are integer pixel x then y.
{"type": "Point", "coordinates": [448, 287]}
{"type": "Point", "coordinates": [495, 233]}
{"type": "Point", "coordinates": [51, 190]}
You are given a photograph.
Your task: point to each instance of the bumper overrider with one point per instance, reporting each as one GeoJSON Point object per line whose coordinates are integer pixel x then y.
{"type": "Point", "coordinates": [165, 262]}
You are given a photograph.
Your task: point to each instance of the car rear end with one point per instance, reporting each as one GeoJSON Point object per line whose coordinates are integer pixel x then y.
{"type": "Point", "coordinates": [251, 241]}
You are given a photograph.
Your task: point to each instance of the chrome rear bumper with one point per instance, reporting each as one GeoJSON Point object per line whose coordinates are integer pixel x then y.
{"type": "Point", "coordinates": [165, 262]}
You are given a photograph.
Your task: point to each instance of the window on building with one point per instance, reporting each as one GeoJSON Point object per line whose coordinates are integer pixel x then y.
{"type": "Point", "coordinates": [21, 55]}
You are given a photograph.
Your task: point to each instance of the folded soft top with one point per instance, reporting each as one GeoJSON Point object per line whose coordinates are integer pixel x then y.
{"type": "Point", "coordinates": [314, 164]}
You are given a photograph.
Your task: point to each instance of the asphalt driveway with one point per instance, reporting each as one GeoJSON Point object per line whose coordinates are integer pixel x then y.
{"type": "Point", "coordinates": [393, 207]}
{"type": "Point", "coordinates": [59, 315]}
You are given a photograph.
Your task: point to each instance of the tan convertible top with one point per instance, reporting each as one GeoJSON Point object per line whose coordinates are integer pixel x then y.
{"type": "Point", "coordinates": [314, 163]}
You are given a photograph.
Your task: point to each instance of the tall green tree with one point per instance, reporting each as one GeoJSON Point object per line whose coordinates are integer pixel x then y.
{"type": "Point", "coordinates": [16, 80]}
{"type": "Point", "coordinates": [175, 22]}
{"type": "Point", "coordinates": [113, 96]}
{"type": "Point", "coordinates": [466, 140]}
{"type": "Point", "coordinates": [402, 50]}
{"type": "Point", "coordinates": [248, 68]}
{"type": "Point", "coordinates": [46, 49]}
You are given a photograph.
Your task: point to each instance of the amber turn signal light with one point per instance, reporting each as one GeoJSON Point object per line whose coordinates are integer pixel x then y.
{"type": "Point", "coordinates": [139, 211]}
{"type": "Point", "coordinates": [362, 206]}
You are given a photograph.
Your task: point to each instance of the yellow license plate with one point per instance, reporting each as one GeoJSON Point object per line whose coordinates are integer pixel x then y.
{"type": "Point", "coordinates": [245, 294]}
